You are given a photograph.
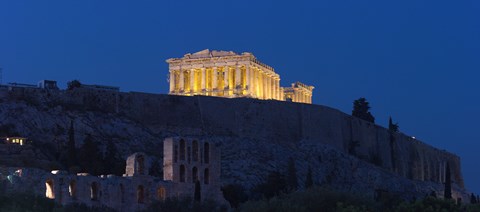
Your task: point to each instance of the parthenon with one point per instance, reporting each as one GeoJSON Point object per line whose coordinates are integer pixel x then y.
{"type": "Point", "coordinates": [227, 74]}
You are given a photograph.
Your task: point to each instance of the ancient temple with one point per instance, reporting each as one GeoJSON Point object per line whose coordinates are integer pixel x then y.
{"type": "Point", "coordinates": [227, 74]}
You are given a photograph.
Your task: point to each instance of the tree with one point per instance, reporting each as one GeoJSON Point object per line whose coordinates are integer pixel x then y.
{"type": "Point", "coordinates": [309, 180]}
{"type": "Point", "coordinates": [73, 84]}
{"type": "Point", "coordinates": [274, 185]}
{"type": "Point", "coordinates": [234, 194]}
{"type": "Point", "coordinates": [292, 181]}
{"type": "Point", "coordinates": [71, 150]}
{"type": "Point", "coordinates": [90, 157]}
{"type": "Point", "coordinates": [391, 126]}
{"type": "Point", "coordinates": [473, 199]}
{"type": "Point", "coordinates": [113, 164]}
{"type": "Point", "coordinates": [392, 129]}
{"type": "Point", "coordinates": [361, 110]}
{"type": "Point", "coordinates": [197, 195]}
{"type": "Point", "coordinates": [448, 183]}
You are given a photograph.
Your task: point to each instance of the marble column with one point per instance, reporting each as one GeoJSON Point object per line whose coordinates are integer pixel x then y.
{"type": "Point", "coordinates": [238, 77]}
{"type": "Point", "coordinates": [277, 89]}
{"type": "Point", "coordinates": [182, 83]}
{"type": "Point", "coordinates": [247, 78]}
{"type": "Point", "coordinates": [268, 86]}
{"type": "Point", "coordinates": [255, 86]}
{"type": "Point", "coordinates": [260, 84]}
{"type": "Point", "coordinates": [226, 77]}
{"type": "Point", "coordinates": [203, 76]}
{"type": "Point", "coordinates": [192, 80]}
{"type": "Point", "coordinates": [214, 78]}
{"type": "Point", "coordinates": [172, 80]}
{"type": "Point", "coordinates": [265, 86]}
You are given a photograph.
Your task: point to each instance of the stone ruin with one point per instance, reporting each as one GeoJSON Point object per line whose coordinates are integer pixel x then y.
{"type": "Point", "coordinates": [186, 160]}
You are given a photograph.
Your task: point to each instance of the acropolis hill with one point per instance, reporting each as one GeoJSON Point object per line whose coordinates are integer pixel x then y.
{"type": "Point", "coordinates": [255, 137]}
{"type": "Point", "coordinates": [225, 121]}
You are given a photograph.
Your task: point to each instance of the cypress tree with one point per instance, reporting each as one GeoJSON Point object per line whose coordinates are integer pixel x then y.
{"type": "Point", "coordinates": [473, 199]}
{"type": "Point", "coordinates": [71, 150]}
{"type": "Point", "coordinates": [392, 129]}
{"type": "Point", "coordinates": [197, 195]}
{"type": "Point", "coordinates": [361, 110]}
{"type": "Point", "coordinates": [448, 183]}
{"type": "Point", "coordinates": [91, 158]}
{"type": "Point", "coordinates": [391, 126]}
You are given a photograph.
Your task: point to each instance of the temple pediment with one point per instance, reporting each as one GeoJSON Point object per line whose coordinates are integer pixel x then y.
{"type": "Point", "coordinates": [206, 53]}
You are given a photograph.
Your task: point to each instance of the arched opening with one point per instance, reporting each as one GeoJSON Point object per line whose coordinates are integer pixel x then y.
{"type": "Point", "coordinates": [140, 164]}
{"type": "Point", "coordinates": [194, 174]}
{"type": "Point", "coordinates": [122, 193]}
{"type": "Point", "coordinates": [189, 155]}
{"type": "Point", "coordinates": [94, 191]}
{"type": "Point", "coordinates": [195, 150]}
{"type": "Point", "coordinates": [206, 153]}
{"type": "Point", "coordinates": [182, 149]}
{"type": "Point", "coordinates": [161, 193]}
{"type": "Point", "coordinates": [206, 176]}
{"type": "Point", "coordinates": [50, 192]}
{"type": "Point", "coordinates": [72, 189]}
{"type": "Point", "coordinates": [140, 193]}
{"type": "Point", "coordinates": [182, 173]}
{"type": "Point", "coordinates": [175, 153]}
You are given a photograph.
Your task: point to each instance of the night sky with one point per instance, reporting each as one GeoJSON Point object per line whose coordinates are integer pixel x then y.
{"type": "Point", "coordinates": [417, 61]}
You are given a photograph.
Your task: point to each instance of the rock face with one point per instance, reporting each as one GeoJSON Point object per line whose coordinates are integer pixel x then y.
{"type": "Point", "coordinates": [255, 136]}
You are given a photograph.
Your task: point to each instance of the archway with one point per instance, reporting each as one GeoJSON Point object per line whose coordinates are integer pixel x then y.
{"type": "Point", "coordinates": [140, 160]}
{"type": "Point", "coordinates": [161, 193]}
{"type": "Point", "coordinates": [140, 194]}
{"type": "Point", "coordinates": [50, 192]}
{"type": "Point", "coordinates": [206, 176]}
{"type": "Point", "coordinates": [194, 174]}
{"type": "Point", "coordinates": [182, 149]}
{"type": "Point", "coordinates": [182, 173]}
{"type": "Point", "coordinates": [195, 150]}
{"type": "Point", "coordinates": [94, 191]}
{"type": "Point", "coordinates": [72, 189]}
{"type": "Point", "coordinates": [206, 152]}
{"type": "Point", "coordinates": [122, 193]}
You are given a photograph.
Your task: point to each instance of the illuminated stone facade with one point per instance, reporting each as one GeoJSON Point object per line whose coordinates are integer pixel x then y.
{"type": "Point", "coordinates": [227, 74]}
{"type": "Point", "coordinates": [186, 160]}
{"type": "Point", "coordinates": [299, 92]}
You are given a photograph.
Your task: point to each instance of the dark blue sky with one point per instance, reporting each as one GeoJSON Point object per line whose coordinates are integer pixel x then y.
{"type": "Point", "coordinates": [416, 60]}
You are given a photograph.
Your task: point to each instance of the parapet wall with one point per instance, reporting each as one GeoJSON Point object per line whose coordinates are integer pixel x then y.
{"type": "Point", "coordinates": [263, 120]}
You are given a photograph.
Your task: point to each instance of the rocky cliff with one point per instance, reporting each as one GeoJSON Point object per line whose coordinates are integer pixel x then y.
{"type": "Point", "coordinates": [255, 136]}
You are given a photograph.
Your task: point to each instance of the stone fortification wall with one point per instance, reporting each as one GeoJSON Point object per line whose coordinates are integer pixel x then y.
{"type": "Point", "coordinates": [284, 122]}
{"type": "Point", "coordinates": [276, 122]}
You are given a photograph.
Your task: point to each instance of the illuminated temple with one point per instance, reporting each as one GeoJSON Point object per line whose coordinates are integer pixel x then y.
{"type": "Point", "coordinates": [227, 74]}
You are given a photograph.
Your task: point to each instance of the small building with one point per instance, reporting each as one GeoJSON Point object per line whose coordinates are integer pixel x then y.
{"type": "Point", "coordinates": [299, 92]}
{"type": "Point", "coordinates": [48, 84]}
{"type": "Point", "coordinates": [16, 140]}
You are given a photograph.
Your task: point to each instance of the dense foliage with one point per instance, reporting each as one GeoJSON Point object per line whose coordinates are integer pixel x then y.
{"type": "Point", "coordinates": [361, 109]}
{"type": "Point", "coordinates": [320, 199]}
{"type": "Point", "coordinates": [184, 205]}
{"type": "Point", "coordinates": [89, 157]}
{"type": "Point", "coordinates": [23, 202]}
